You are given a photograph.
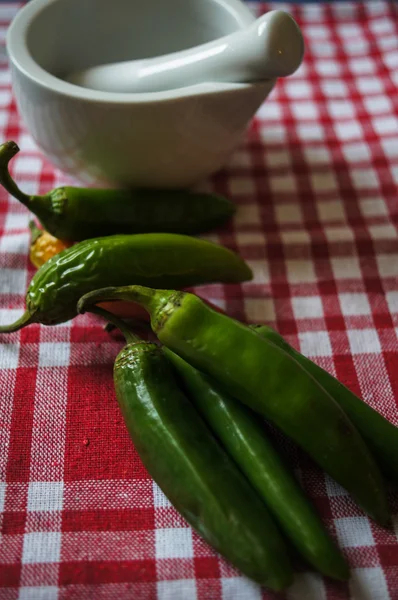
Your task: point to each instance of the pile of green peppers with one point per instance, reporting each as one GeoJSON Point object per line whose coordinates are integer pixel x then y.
{"type": "Point", "coordinates": [195, 402]}
{"type": "Point", "coordinates": [194, 408]}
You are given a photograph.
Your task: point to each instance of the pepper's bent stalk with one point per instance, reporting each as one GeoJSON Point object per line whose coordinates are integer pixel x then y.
{"type": "Point", "coordinates": [35, 232]}
{"type": "Point", "coordinates": [7, 151]}
{"type": "Point", "coordinates": [142, 295]}
{"type": "Point", "coordinates": [113, 320]}
{"type": "Point", "coordinates": [26, 319]}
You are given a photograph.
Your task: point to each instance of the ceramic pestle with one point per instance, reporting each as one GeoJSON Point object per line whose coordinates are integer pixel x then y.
{"type": "Point", "coordinates": [269, 48]}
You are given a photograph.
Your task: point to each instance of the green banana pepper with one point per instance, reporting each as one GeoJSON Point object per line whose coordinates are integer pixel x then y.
{"type": "Point", "coordinates": [158, 259]}
{"type": "Point", "coordinates": [378, 432]}
{"type": "Point", "coordinates": [75, 214]}
{"type": "Point", "coordinates": [191, 468]}
{"type": "Point", "coordinates": [243, 436]}
{"type": "Point", "coordinates": [263, 376]}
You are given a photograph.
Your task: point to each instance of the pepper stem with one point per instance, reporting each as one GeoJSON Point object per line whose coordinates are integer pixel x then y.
{"type": "Point", "coordinates": [146, 297]}
{"type": "Point", "coordinates": [26, 319]}
{"type": "Point", "coordinates": [131, 338]}
{"type": "Point", "coordinates": [7, 151]}
{"type": "Point", "coordinates": [35, 232]}
{"type": "Point", "coordinates": [156, 302]}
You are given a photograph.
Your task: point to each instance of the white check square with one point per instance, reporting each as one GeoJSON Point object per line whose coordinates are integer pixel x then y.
{"type": "Point", "coordinates": [388, 265]}
{"type": "Point", "coordinates": [365, 178]}
{"type": "Point", "coordinates": [307, 307]}
{"type": "Point", "coordinates": [315, 343]}
{"type": "Point", "coordinates": [311, 131]}
{"type": "Point", "coordinates": [353, 532]}
{"type": "Point", "coordinates": [362, 65]}
{"type": "Point", "coordinates": [26, 165]}
{"type": "Point", "coordinates": [14, 244]}
{"type": "Point", "coordinates": [248, 214]}
{"type": "Point", "coordinates": [298, 89]}
{"type": "Point", "coordinates": [270, 110]}
{"type": "Point", "coordinates": [159, 499]}
{"type": "Point", "coordinates": [392, 301]}
{"type": "Point", "coordinates": [54, 354]}
{"type": "Point", "coordinates": [354, 304]}
{"type": "Point", "coordinates": [323, 182]}
{"type": "Point", "coordinates": [346, 268]}
{"type": "Point", "coordinates": [349, 30]}
{"type": "Point", "coordinates": [373, 207]}
{"type": "Point", "coordinates": [381, 26]}
{"type": "Point", "coordinates": [327, 67]}
{"type": "Point", "coordinates": [331, 211]}
{"type": "Point", "coordinates": [45, 495]}
{"type": "Point", "coordinates": [334, 88]}
{"type": "Point", "coordinates": [324, 48]}
{"type": "Point", "coordinates": [391, 60]}
{"type": "Point", "coordinates": [357, 151]}
{"type": "Point", "coordinates": [41, 547]}
{"type": "Point", "coordinates": [278, 158]}
{"type": "Point", "coordinates": [175, 542]}
{"type": "Point", "coordinates": [259, 310]}
{"type": "Point", "coordinates": [239, 588]}
{"type": "Point", "coordinates": [317, 154]}
{"type": "Point", "coordinates": [390, 147]}
{"type": "Point", "coordinates": [383, 232]}
{"type": "Point", "coordinates": [364, 341]}
{"type": "Point", "coordinates": [305, 110]}
{"type": "Point", "coordinates": [371, 579]}
{"type": "Point", "coordinates": [16, 221]}
{"type": "Point", "coordinates": [377, 104]}
{"type": "Point", "coordinates": [300, 271]}
{"type": "Point", "coordinates": [283, 183]}
{"type": "Point", "coordinates": [45, 592]}
{"type": "Point", "coordinates": [387, 124]}
{"type": "Point", "coordinates": [341, 108]}
{"type": "Point", "coordinates": [288, 213]}
{"type": "Point", "coordinates": [9, 355]}
{"type": "Point", "coordinates": [178, 589]}
{"type": "Point", "coordinates": [348, 131]}
{"type": "Point", "coordinates": [13, 281]}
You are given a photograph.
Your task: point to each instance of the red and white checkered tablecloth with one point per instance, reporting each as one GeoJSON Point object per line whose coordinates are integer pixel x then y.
{"type": "Point", "coordinates": [316, 186]}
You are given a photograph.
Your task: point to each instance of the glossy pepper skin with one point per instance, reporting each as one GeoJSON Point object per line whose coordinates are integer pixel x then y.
{"type": "Point", "coordinates": [75, 214]}
{"type": "Point", "coordinates": [268, 380]}
{"type": "Point", "coordinates": [378, 432]}
{"type": "Point", "coordinates": [158, 259]}
{"type": "Point", "coordinates": [242, 435]}
{"type": "Point", "coordinates": [191, 468]}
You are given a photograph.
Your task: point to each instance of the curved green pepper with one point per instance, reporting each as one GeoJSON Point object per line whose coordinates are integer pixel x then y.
{"type": "Point", "coordinates": [158, 259]}
{"type": "Point", "coordinates": [192, 469]}
{"type": "Point", "coordinates": [243, 436]}
{"type": "Point", "coordinates": [268, 380]}
{"type": "Point", "coordinates": [75, 214]}
{"type": "Point", "coordinates": [378, 432]}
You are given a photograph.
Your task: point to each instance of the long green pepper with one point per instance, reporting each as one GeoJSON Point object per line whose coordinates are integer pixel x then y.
{"type": "Point", "coordinates": [243, 436]}
{"type": "Point", "coordinates": [191, 468]}
{"type": "Point", "coordinates": [268, 380]}
{"type": "Point", "coordinates": [75, 214]}
{"type": "Point", "coordinates": [378, 432]}
{"type": "Point", "coordinates": [155, 259]}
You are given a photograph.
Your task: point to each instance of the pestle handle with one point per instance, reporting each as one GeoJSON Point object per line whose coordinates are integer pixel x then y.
{"type": "Point", "coordinates": [271, 47]}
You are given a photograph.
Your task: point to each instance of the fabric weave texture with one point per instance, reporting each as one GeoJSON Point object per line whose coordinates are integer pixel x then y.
{"type": "Point", "coordinates": [315, 181]}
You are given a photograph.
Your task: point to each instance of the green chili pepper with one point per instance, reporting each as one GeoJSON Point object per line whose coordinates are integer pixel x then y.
{"type": "Point", "coordinates": [192, 469]}
{"type": "Point", "coordinates": [75, 214]}
{"type": "Point", "coordinates": [268, 380]}
{"type": "Point", "coordinates": [243, 436]}
{"type": "Point", "coordinates": [380, 434]}
{"type": "Point", "coordinates": [158, 259]}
